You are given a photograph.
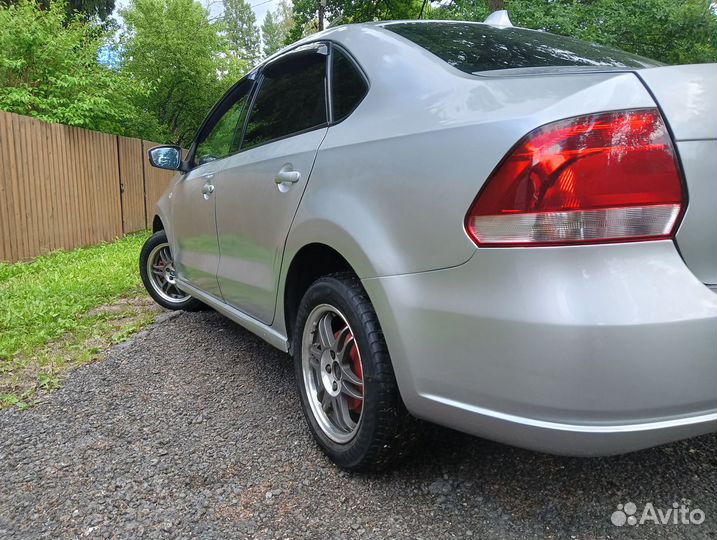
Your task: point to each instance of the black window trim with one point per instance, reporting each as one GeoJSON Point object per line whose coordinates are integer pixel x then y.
{"type": "Point", "coordinates": [329, 84]}
{"type": "Point", "coordinates": [360, 71]}
{"type": "Point", "coordinates": [260, 79]}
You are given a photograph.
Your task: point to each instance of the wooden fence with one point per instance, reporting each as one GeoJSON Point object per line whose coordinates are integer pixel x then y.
{"type": "Point", "coordinates": [63, 187]}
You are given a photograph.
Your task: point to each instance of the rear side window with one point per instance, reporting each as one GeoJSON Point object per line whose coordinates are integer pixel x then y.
{"type": "Point", "coordinates": [479, 47]}
{"type": "Point", "coordinates": [291, 99]}
{"type": "Point", "coordinates": [348, 86]}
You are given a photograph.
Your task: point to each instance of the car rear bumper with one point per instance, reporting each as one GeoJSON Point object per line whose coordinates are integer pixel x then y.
{"type": "Point", "coordinates": [584, 350]}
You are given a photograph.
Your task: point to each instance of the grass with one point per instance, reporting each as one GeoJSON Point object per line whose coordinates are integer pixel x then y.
{"type": "Point", "coordinates": [60, 310]}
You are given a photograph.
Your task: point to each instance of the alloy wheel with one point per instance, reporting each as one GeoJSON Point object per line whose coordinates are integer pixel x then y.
{"type": "Point", "coordinates": [162, 276]}
{"type": "Point", "coordinates": [332, 373]}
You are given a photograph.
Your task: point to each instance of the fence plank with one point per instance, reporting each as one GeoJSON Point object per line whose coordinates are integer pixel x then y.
{"type": "Point", "coordinates": [5, 193]}
{"type": "Point", "coordinates": [85, 144]}
{"type": "Point", "coordinates": [5, 196]}
{"type": "Point", "coordinates": [61, 191]}
{"type": "Point", "coordinates": [97, 186]}
{"type": "Point", "coordinates": [14, 196]}
{"type": "Point", "coordinates": [77, 206]}
{"type": "Point", "coordinates": [51, 182]}
{"type": "Point", "coordinates": [43, 185]}
{"type": "Point", "coordinates": [73, 207]}
{"type": "Point", "coordinates": [18, 188]}
{"type": "Point", "coordinates": [112, 185]}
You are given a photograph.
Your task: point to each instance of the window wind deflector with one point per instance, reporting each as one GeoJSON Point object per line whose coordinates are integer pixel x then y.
{"type": "Point", "coordinates": [297, 60]}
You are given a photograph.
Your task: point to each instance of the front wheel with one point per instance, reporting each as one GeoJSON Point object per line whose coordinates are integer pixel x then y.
{"type": "Point", "coordinates": [348, 389]}
{"type": "Point", "coordinates": [156, 266]}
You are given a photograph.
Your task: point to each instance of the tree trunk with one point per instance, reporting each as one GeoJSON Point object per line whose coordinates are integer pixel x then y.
{"type": "Point", "coordinates": [322, 9]}
{"type": "Point", "coordinates": [423, 6]}
{"type": "Point", "coordinates": [496, 5]}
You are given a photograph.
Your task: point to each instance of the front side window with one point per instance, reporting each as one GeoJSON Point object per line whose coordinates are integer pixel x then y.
{"type": "Point", "coordinates": [348, 86]}
{"type": "Point", "coordinates": [291, 99]}
{"type": "Point", "coordinates": [223, 138]}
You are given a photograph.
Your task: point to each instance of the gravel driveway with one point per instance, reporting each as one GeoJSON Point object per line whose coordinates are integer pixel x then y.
{"type": "Point", "coordinates": [193, 430]}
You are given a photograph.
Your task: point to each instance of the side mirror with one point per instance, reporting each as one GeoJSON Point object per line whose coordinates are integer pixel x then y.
{"type": "Point", "coordinates": [166, 157]}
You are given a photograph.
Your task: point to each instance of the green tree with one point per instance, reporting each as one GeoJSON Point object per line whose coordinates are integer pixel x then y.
{"type": "Point", "coordinates": [171, 48]}
{"type": "Point", "coordinates": [276, 26]}
{"type": "Point", "coordinates": [671, 31]}
{"type": "Point", "coordinates": [49, 70]}
{"type": "Point", "coordinates": [271, 34]}
{"type": "Point", "coordinates": [94, 10]}
{"type": "Point", "coordinates": [241, 30]}
{"type": "Point", "coordinates": [350, 11]}
{"type": "Point", "coordinates": [91, 9]}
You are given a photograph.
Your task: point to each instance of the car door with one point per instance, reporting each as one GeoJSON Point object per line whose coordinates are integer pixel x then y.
{"type": "Point", "coordinates": [260, 188]}
{"type": "Point", "coordinates": [195, 246]}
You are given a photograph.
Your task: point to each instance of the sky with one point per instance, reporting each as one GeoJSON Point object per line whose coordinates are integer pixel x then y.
{"type": "Point", "coordinates": [260, 7]}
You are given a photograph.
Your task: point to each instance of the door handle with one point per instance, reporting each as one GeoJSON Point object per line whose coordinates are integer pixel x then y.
{"type": "Point", "coordinates": [287, 177]}
{"type": "Point", "coordinates": [207, 190]}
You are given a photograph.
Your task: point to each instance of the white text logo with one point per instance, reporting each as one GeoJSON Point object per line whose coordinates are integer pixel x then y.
{"type": "Point", "coordinates": [678, 514]}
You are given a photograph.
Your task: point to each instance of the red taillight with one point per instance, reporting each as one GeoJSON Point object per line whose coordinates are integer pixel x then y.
{"type": "Point", "coordinates": [600, 178]}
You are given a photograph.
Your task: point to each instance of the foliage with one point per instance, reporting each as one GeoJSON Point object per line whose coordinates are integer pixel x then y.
{"type": "Point", "coordinates": [666, 30]}
{"type": "Point", "coordinates": [276, 27]}
{"type": "Point", "coordinates": [154, 80]}
{"type": "Point", "coordinates": [185, 71]}
{"type": "Point", "coordinates": [671, 31]}
{"type": "Point", "coordinates": [271, 35]}
{"type": "Point", "coordinates": [350, 11]}
{"type": "Point", "coordinates": [241, 31]}
{"type": "Point", "coordinates": [90, 10]}
{"type": "Point", "coordinates": [49, 70]}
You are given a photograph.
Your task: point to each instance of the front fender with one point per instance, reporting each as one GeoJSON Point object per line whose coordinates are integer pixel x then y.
{"type": "Point", "coordinates": [163, 210]}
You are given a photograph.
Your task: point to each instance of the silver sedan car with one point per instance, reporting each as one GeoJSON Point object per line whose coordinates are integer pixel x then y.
{"type": "Point", "coordinates": [503, 231]}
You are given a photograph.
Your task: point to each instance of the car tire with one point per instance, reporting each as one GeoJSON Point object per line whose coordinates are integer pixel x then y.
{"type": "Point", "coordinates": [156, 267]}
{"type": "Point", "coordinates": [380, 430]}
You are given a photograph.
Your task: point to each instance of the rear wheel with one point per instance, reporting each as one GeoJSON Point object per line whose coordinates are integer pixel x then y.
{"type": "Point", "coordinates": [348, 389]}
{"type": "Point", "coordinates": [156, 266]}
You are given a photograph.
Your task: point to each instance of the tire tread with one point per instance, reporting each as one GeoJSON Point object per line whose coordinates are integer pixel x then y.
{"type": "Point", "coordinates": [394, 429]}
{"type": "Point", "coordinates": [191, 304]}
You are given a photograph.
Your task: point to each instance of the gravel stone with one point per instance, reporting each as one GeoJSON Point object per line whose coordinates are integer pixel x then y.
{"type": "Point", "coordinates": [192, 429]}
{"type": "Point", "coordinates": [440, 487]}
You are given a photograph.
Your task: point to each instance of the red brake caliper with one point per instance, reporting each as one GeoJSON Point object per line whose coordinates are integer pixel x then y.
{"type": "Point", "coordinates": [353, 403]}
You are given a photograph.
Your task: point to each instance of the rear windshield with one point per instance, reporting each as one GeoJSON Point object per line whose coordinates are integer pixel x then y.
{"type": "Point", "coordinates": [479, 47]}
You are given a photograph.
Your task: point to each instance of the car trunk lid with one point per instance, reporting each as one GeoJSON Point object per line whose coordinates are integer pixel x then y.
{"type": "Point", "coordinates": [687, 97]}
